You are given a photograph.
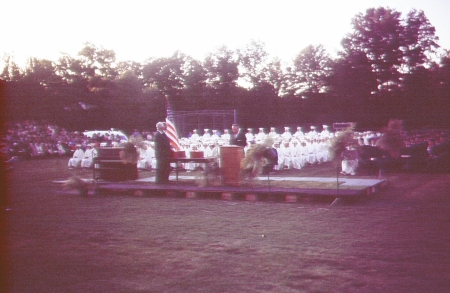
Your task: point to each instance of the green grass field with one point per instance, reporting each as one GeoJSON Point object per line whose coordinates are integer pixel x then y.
{"type": "Point", "coordinates": [395, 241]}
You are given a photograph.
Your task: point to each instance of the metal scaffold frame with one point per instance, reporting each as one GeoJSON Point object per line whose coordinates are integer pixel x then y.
{"type": "Point", "coordinates": [187, 121]}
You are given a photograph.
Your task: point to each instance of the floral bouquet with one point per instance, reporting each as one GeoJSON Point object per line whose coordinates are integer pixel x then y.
{"type": "Point", "coordinates": [340, 143]}
{"type": "Point", "coordinates": [129, 154]}
{"type": "Point", "coordinates": [391, 140]}
{"type": "Point", "coordinates": [255, 160]}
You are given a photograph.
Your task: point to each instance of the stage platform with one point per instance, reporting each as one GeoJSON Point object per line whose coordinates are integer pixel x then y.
{"type": "Point", "coordinates": [288, 189]}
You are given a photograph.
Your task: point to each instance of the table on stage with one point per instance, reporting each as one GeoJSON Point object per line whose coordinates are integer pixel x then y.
{"type": "Point", "coordinates": [177, 161]}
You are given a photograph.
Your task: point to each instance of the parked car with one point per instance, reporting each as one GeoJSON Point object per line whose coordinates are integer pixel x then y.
{"type": "Point", "coordinates": [117, 133]}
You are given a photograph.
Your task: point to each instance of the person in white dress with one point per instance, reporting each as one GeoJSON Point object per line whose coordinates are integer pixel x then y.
{"type": "Point", "coordinates": [75, 161]}
{"type": "Point", "coordinates": [215, 150]}
{"type": "Point", "coordinates": [312, 152]}
{"type": "Point", "coordinates": [226, 136]}
{"type": "Point", "coordinates": [249, 135]}
{"type": "Point", "coordinates": [323, 151]}
{"type": "Point", "coordinates": [296, 154]}
{"type": "Point", "coordinates": [313, 133]}
{"type": "Point", "coordinates": [304, 157]}
{"type": "Point", "coordinates": [143, 161]}
{"type": "Point", "coordinates": [86, 161]}
{"type": "Point", "coordinates": [325, 131]}
{"type": "Point", "coordinates": [299, 133]}
{"type": "Point", "coordinates": [349, 161]}
{"type": "Point", "coordinates": [203, 145]}
{"type": "Point", "coordinates": [191, 166]}
{"type": "Point", "coordinates": [288, 153]}
{"type": "Point", "coordinates": [261, 136]}
{"type": "Point", "coordinates": [214, 135]}
{"type": "Point", "coordinates": [286, 135]}
{"type": "Point", "coordinates": [195, 136]}
{"type": "Point", "coordinates": [273, 133]}
{"type": "Point", "coordinates": [207, 152]}
{"type": "Point", "coordinates": [206, 135]}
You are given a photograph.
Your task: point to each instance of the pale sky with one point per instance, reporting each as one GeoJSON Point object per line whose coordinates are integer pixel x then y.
{"type": "Point", "coordinates": [137, 30]}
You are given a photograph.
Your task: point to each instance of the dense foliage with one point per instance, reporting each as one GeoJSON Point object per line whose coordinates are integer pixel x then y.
{"type": "Point", "coordinates": [389, 67]}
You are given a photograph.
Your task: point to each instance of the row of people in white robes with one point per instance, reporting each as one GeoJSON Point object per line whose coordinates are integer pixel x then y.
{"type": "Point", "coordinates": [210, 150]}
{"type": "Point", "coordinates": [261, 135]}
{"type": "Point", "coordinates": [82, 158]}
{"type": "Point", "coordinates": [296, 155]}
{"type": "Point", "coordinates": [206, 136]}
{"type": "Point", "coordinates": [288, 135]}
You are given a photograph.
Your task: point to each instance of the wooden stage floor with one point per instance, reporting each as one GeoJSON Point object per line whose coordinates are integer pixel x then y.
{"type": "Point", "coordinates": [278, 188]}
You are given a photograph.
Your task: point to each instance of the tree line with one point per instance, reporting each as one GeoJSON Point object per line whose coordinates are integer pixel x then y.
{"type": "Point", "coordinates": [390, 66]}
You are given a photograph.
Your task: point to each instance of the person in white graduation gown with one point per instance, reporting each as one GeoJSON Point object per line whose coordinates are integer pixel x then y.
{"type": "Point", "coordinates": [249, 135]}
{"type": "Point", "coordinates": [195, 136]}
{"type": "Point", "coordinates": [75, 161]}
{"type": "Point", "coordinates": [226, 137]}
{"type": "Point", "coordinates": [146, 156]}
{"type": "Point", "coordinates": [86, 161]}
{"type": "Point", "coordinates": [261, 135]}
{"type": "Point", "coordinates": [286, 135]}
{"type": "Point", "coordinates": [296, 153]}
{"type": "Point", "coordinates": [350, 161]}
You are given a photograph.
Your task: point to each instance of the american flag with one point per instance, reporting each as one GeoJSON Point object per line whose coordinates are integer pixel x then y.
{"type": "Point", "coordinates": [171, 131]}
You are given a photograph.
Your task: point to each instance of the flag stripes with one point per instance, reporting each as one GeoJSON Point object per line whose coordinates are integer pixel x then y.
{"type": "Point", "coordinates": [171, 131]}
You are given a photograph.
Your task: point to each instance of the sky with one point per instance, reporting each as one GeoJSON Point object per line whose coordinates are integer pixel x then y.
{"type": "Point", "coordinates": [138, 30]}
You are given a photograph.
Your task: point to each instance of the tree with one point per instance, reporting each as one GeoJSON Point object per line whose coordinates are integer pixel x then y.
{"type": "Point", "coordinates": [88, 87]}
{"type": "Point", "coordinates": [132, 66]}
{"type": "Point", "coordinates": [129, 84]}
{"type": "Point", "coordinates": [352, 84]}
{"type": "Point", "coordinates": [128, 87]}
{"type": "Point", "coordinates": [98, 67]}
{"type": "Point", "coordinates": [98, 62]}
{"type": "Point", "coordinates": [11, 71]}
{"type": "Point", "coordinates": [194, 76]}
{"type": "Point", "coordinates": [390, 43]}
{"type": "Point", "coordinates": [309, 72]}
{"type": "Point", "coordinates": [165, 74]}
{"type": "Point", "coordinates": [221, 69]}
{"type": "Point", "coordinates": [442, 87]}
{"type": "Point", "coordinates": [352, 77]}
{"type": "Point", "coordinates": [275, 76]}
{"type": "Point", "coordinates": [252, 64]}
{"type": "Point", "coordinates": [222, 73]}
{"type": "Point", "coordinates": [419, 93]}
{"type": "Point", "coordinates": [420, 40]}
{"type": "Point", "coordinates": [70, 70]}
{"type": "Point", "coordinates": [42, 72]}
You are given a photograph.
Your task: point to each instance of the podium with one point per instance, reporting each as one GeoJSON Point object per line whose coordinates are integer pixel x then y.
{"type": "Point", "coordinates": [230, 160]}
{"type": "Point", "coordinates": [109, 167]}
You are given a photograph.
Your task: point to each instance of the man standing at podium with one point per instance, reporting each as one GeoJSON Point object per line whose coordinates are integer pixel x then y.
{"type": "Point", "coordinates": [162, 154]}
{"type": "Point", "coordinates": [237, 136]}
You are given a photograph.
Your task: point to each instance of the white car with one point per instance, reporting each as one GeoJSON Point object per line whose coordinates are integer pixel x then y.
{"type": "Point", "coordinates": [123, 137]}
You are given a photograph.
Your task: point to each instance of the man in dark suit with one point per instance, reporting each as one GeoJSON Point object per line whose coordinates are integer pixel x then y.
{"type": "Point", "coordinates": [162, 154]}
{"type": "Point", "coordinates": [237, 136]}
